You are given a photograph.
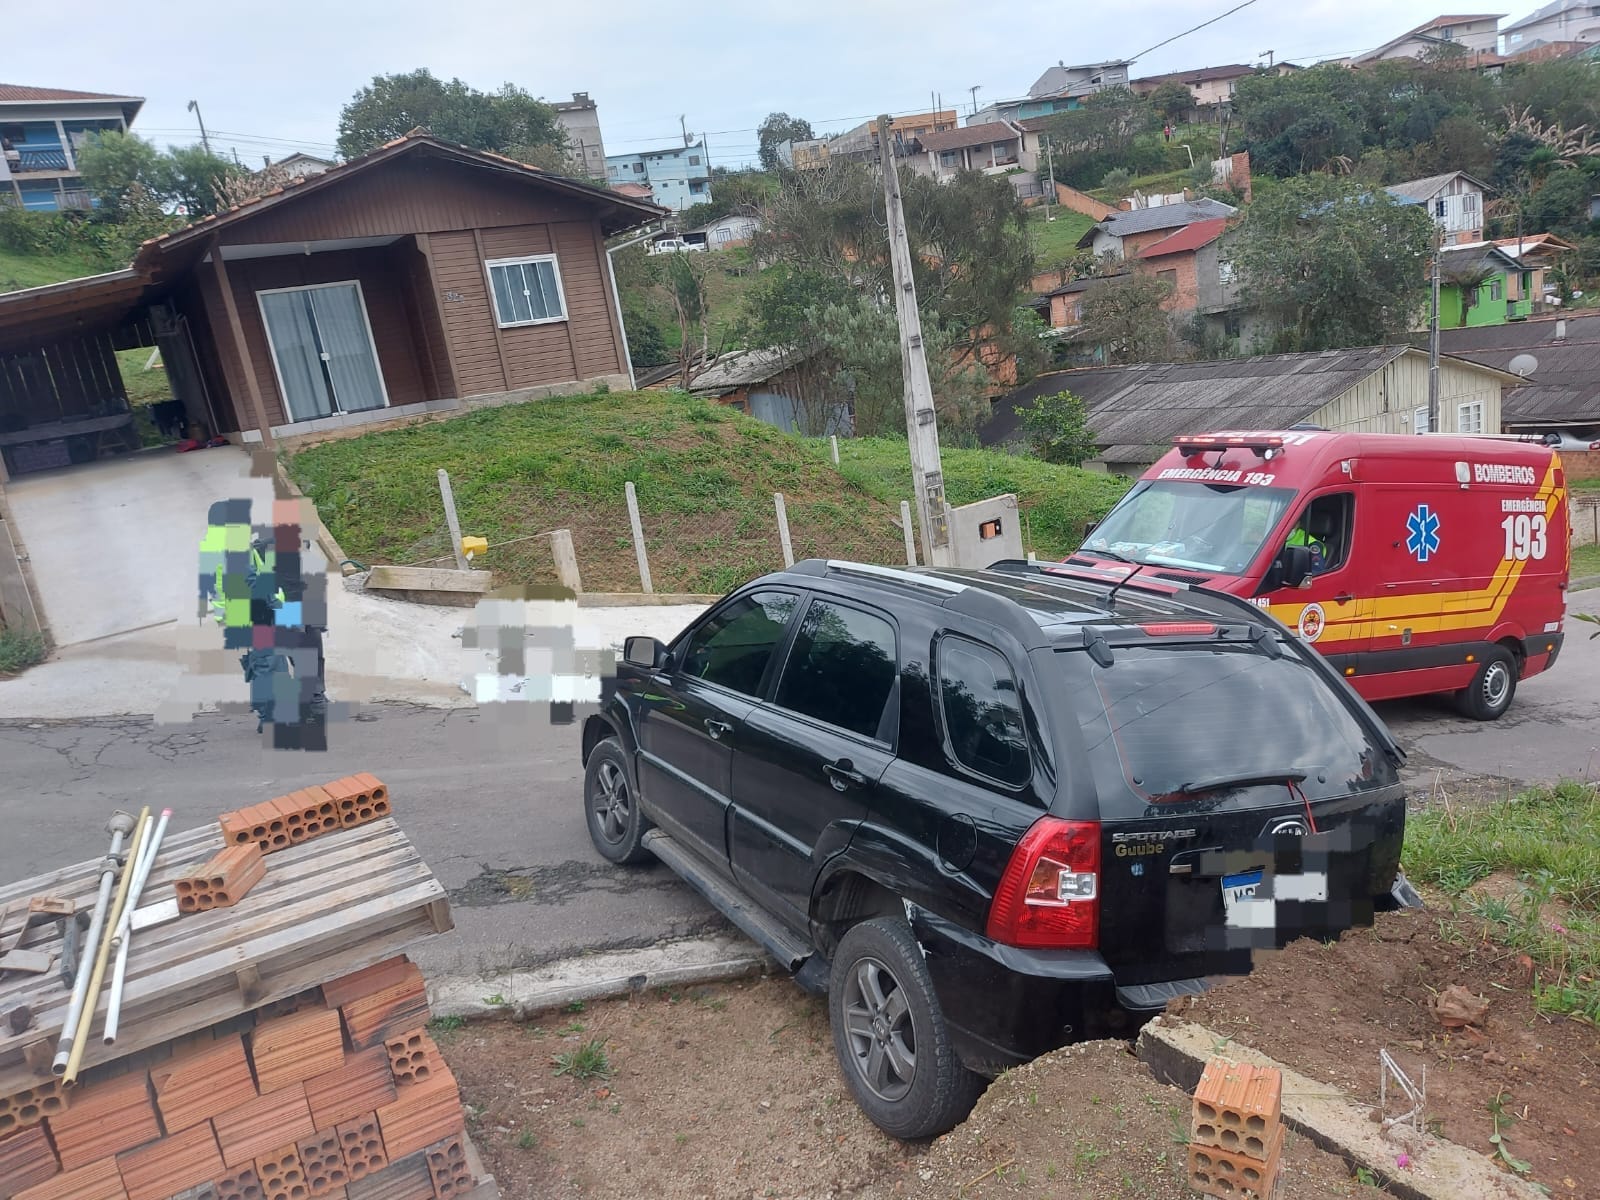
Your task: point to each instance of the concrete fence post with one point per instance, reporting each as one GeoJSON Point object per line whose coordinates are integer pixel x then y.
{"type": "Point", "coordinates": [911, 537]}
{"type": "Point", "coordinates": [566, 559]}
{"type": "Point", "coordinates": [833, 440]}
{"type": "Point", "coordinates": [451, 519]}
{"type": "Point", "coordinates": [638, 538]}
{"type": "Point", "coordinates": [783, 529]}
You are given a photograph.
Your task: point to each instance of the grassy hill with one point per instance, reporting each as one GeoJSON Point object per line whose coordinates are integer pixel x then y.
{"type": "Point", "coordinates": [19, 271]}
{"type": "Point", "coordinates": [704, 474]}
{"type": "Point", "coordinates": [1056, 241]}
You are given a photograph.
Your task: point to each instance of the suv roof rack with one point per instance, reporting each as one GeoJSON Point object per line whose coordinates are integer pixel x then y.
{"type": "Point", "coordinates": [898, 575]}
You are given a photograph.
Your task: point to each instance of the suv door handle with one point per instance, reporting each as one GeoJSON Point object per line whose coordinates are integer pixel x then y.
{"type": "Point", "coordinates": [1345, 597]}
{"type": "Point", "coordinates": [717, 728]}
{"type": "Point", "coordinates": [842, 774]}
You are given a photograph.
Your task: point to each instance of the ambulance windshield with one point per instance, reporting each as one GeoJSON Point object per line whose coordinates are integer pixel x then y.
{"type": "Point", "coordinates": [1201, 526]}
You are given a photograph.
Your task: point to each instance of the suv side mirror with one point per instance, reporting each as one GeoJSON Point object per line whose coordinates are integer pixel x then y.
{"type": "Point", "coordinates": [1295, 563]}
{"type": "Point", "coordinates": [646, 652]}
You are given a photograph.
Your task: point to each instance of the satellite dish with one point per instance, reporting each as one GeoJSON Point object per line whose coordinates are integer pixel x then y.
{"type": "Point", "coordinates": [1524, 365]}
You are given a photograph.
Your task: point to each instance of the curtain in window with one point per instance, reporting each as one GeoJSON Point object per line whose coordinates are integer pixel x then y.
{"type": "Point", "coordinates": [525, 292]}
{"type": "Point", "coordinates": [294, 345]}
{"type": "Point", "coordinates": [342, 326]}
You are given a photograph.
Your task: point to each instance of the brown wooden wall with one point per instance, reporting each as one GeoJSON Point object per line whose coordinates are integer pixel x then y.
{"type": "Point", "coordinates": [384, 277]}
{"type": "Point", "coordinates": [60, 380]}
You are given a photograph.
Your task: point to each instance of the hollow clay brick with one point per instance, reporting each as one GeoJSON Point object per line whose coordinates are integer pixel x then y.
{"type": "Point", "coordinates": [223, 881]}
{"type": "Point", "coordinates": [1214, 1172]}
{"type": "Point", "coordinates": [202, 1082]}
{"type": "Point", "coordinates": [295, 1047]}
{"type": "Point", "coordinates": [26, 1159]}
{"type": "Point", "coordinates": [261, 1126]}
{"type": "Point", "coordinates": [421, 1115]}
{"type": "Point", "coordinates": [367, 980]}
{"type": "Point", "coordinates": [105, 1119]}
{"type": "Point", "coordinates": [361, 1142]}
{"type": "Point", "coordinates": [184, 1160]}
{"type": "Point", "coordinates": [360, 1084]}
{"type": "Point", "coordinates": [241, 1183]}
{"type": "Point", "coordinates": [32, 1105]}
{"type": "Point", "coordinates": [413, 1057]}
{"type": "Point", "coordinates": [360, 798]}
{"type": "Point", "coordinates": [388, 1012]}
{"type": "Point", "coordinates": [99, 1180]}
{"type": "Point", "coordinates": [404, 1179]}
{"type": "Point", "coordinates": [322, 1158]}
{"type": "Point", "coordinates": [282, 1175]}
{"type": "Point", "coordinates": [1236, 1107]}
{"type": "Point", "coordinates": [447, 1164]}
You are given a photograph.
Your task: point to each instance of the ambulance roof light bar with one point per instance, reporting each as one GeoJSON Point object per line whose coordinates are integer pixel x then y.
{"type": "Point", "coordinates": [1263, 446]}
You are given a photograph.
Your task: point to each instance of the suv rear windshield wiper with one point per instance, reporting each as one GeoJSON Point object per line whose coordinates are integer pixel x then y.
{"type": "Point", "coordinates": [1246, 779]}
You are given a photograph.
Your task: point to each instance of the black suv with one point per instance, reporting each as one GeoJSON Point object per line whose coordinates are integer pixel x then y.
{"type": "Point", "coordinates": [990, 812]}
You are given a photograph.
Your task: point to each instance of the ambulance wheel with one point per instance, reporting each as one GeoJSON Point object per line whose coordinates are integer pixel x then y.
{"type": "Point", "coordinates": [1491, 690]}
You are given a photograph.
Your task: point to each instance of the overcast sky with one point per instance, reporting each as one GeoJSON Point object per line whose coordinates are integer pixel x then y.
{"type": "Point", "coordinates": [271, 77]}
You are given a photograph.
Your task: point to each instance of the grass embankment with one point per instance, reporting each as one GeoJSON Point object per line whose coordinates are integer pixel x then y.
{"type": "Point", "coordinates": [1529, 868]}
{"type": "Point", "coordinates": [704, 474]}
{"type": "Point", "coordinates": [19, 271]}
{"type": "Point", "coordinates": [1585, 561]}
{"type": "Point", "coordinates": [1054, 242]}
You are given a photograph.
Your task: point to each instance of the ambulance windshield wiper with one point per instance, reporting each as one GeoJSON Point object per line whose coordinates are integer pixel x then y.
{"type": "Point", "coordinates": [1113, 555]}
{"type": "Point", "coordinates": [1245, 779]}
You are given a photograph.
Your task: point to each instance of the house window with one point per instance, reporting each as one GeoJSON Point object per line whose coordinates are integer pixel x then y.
{"type": "Point", "coordinates": [1469, 417]}
{"type": "Point", "coordinates": [947, 158]}
{"type": "Point", "coordinates": [697, 187]}
{"type": "Point", "coordinates": [1438, 207]}
{"type": "Point", "coordinates": [1496, 290]}
{"type": "Point", "coordinates": [694, 160]}
{"type": "Point", "coordinates": [1170, 278]}
{"type": "Point", "coordinates": [1419, 420]}
{"type": "Point", "coordinates": [1469, 202]}
{"type": "Point", "coordinates": [1224, 271]}
{"type": "Point", "coordinates": [638, 168]}
{"type": "Point", "coordinates": [527, 291]}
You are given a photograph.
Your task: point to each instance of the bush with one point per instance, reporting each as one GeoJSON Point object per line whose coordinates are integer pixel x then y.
{"type": "Point", "coordinates": [1116, 179]}
{"type": "Point", "coordinates": [19, 651]}
{"type": "Point", "coordinates": [1058, 429]}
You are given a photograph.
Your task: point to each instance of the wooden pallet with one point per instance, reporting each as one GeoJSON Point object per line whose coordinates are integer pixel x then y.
{"type": "Point", "coordinates": [327, 907]}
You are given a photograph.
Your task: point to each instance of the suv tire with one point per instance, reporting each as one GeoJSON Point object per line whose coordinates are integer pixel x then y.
{"type": "Point", "coordinates": [890, 1035]}
{"type": "Point", "coordinates": [611, 806]}
{"type": "Point", "coordinates": [1492, 687]}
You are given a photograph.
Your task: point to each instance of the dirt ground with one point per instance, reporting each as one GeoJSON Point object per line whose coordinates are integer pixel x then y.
{"type": "Point", "coordinates": [732, 1091]}
{"type": "Point", "coordinates": [1326, 1009]}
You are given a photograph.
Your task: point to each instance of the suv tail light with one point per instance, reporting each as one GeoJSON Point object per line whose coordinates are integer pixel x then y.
{"type": "Point", "coordinates": [1049, 896]}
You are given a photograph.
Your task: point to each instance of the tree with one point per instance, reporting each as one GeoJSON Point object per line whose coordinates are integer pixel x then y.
{"type": "Point", "coordinates": [120, 170]}
{"type": "Point", "coordinates": [778, 128]}
{"type": "Point", "coordinates": [1125, 318]}
{"type": "Point", "coordinates": [196, 179]}
{"type": "Point", "coordinates": [1561, 204]}
{"type": "Point", "coordinates": [509, 121]}
{"type": "Point", "coordinates": [1103, 133]}
{"type": "Point", "coordinates": [1467, 279]}
{"type": "Point", "coordinates": [1337, 264]}
{"type": "Point", "coordinates": [1058, 429]}
{"type": "Point", "coordinates": [1171, 101]}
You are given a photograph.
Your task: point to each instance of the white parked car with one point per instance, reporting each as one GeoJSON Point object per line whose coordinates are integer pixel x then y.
{"type": "Point", "coordinates": [675, 246]}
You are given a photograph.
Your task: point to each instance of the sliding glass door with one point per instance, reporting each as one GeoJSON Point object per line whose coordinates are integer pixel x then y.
{"type": "Point", "coordinates": [322, 349]}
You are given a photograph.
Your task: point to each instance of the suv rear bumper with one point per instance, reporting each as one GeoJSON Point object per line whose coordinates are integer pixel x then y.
{"type": "Point", "coordinates": [1006, 1006]}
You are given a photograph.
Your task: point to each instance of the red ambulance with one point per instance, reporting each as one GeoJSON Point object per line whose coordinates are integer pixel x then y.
{"type": "Point", "coordinates": [1413, 564]}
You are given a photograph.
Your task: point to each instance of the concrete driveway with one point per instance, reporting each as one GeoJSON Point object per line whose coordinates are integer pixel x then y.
{"type": "Point", "coordinates": [114, 545]}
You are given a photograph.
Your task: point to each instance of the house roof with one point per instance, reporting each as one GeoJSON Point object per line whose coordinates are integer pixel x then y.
{"type": "Point", "coordinates": [1189, 238]}
{"type": "Point", "coordinates": [636, 191]}
{"type": "Point", "coordinates": [744, 368]}
{"type": "Point", "coordinates": [1562, 389]}
{"type": "Point", "coordinates": [1457, 258]}
{"type": "Point", "coordinates": [1545, 13]}
{"type": "Point", "coordinates": [18, 93]}
{"type": "Point", "coordinates": [1533, 244]}
{"type": "Point", "coordinates": [1202, 75]}
{"type": "Point", "coordinates": [1135, 411]}
{"type": "Point", "coordinates": [1436, 23]}
{"type": "Point", "coordinates": [1163, 216]}
{"type": "Point", "coordinates": [969, 135]}
{"type": "Point", "coordinates": [1420, 191]}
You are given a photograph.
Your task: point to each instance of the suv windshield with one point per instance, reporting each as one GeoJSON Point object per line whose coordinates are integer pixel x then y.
{"type": "Point", "coordinates": [1171, 723]}
{"type": "Point", "coordinates": [1202, 526]}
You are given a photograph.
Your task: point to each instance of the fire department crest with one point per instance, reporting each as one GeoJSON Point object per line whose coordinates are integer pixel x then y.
{"type": "Point", "coordinates": [1312, 620]}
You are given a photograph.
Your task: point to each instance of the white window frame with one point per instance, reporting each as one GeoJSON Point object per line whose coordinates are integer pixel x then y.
{"type": "Point", "coordinates": [1419, 420]}
{"type": "Point", "coordinates": [272, 350]}
{"type": "Point", "coordinates": [520, 260]}
{"type": "Point", "coordinates": [1474, 406]}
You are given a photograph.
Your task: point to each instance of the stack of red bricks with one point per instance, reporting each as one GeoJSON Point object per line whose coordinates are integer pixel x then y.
{"type": "Point", "coordinates": [289, 820]}
{"type": "Point", "coordinates": [1236, 1134]}
{"type": "Point", "coordinates": [338, 1092]}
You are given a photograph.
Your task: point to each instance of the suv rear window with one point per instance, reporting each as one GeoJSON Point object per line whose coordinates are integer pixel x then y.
{"type": "Point", "coordinates": [982, 716]}
{"type": "Point", "coordinates": [1164, 716]}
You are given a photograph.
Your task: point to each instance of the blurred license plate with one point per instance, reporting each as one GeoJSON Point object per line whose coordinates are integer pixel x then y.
{"type": "Point", "coordinates": [1239, 898]}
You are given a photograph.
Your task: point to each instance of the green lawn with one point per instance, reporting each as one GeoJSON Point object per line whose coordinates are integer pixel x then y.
{"type": "Point", "coordinates": [1055, 501]}
{"type": "Point", "coordinates": [19, 271]}
{"type": "Point", "coordinates": [1056, 241]}
{"type": "Point", "coordinates": [1166, 181]}
{"type": "Point", "coordinates": [1585, 561]}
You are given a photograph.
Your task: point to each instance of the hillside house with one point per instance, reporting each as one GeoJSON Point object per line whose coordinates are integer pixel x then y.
{"type": "Point", "coordinates": [1453, 200]}
{"type": "Point", "coordinates": [1124, 233]}
{"type": "Point", "coordinates": [861, 142]}
{"type": "Point", "coordinates": [1479, 284]}
{"type": "Point", "coordinates": [302, 164]}
{"type": "Point", "coordinates": [1473, 34]}
{"type": "Point", "coordinates": [1060, 89]}
{"type": "Point", "coordinates": [579, 118]}
{"type": "Point", "coordinates": [677, 176]}
{"type": "Point", "coordinates": [1135, 412]}
{"type": "Point", "coordinates": [1537, 253]}
{"type": "Point", "coordinates": [41, 131]}
{"type": "Point", "coordinates": [1561, 21]}
{"type": "Point", "coordinates": [1209, 87]}
{"type": "Point", "coordinates": [726, 232]}
{"type": "Point", "coordinates": [1560, 356]}
{"type": "Point", "coordinates": [421, 278]}
{"type": "Point", "coordinates": [993, 148]}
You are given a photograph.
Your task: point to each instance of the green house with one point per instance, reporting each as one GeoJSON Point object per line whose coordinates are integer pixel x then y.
{"type": "Point", "coordinates": [1481, 285]}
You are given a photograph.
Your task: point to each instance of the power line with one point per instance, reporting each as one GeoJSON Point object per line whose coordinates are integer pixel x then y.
{"type": "Point", "coordinates": [1187, 32]}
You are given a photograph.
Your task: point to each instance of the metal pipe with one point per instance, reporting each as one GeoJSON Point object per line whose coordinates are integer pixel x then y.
{"type": "Point", "coordinates": [120, 826]}
{"type": "Point", "coordinates": [80, 1037]}
{"type": "Point", "coordinates": [121, 939]}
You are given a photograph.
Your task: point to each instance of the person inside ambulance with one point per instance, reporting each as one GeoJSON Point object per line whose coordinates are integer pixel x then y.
{"type": "Point", "coordinates": [1319, 531]}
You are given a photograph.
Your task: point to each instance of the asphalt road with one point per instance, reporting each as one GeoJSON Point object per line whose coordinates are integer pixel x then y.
{"type": "Point", "coordinates": [495, 808]}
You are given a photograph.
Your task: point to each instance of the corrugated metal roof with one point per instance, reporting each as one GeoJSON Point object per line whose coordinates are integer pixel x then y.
{"type": "Point", "coordinates": [1136, 411]}
{"type": "Point", "coordinates": [1163, 216]}
{"type": "Point", "coordinates": [1416, 191]}
{"type": "Point", "coordinates": [1190, 237]}
{"type": "Point", "coordinates": [970, 135]}
{"type": "Point", "coordinates": [745, 368]}
{"type": "Point", "coordinates": [1564, 385]}
{"type": "Point", "coordinates": [1202, 75]}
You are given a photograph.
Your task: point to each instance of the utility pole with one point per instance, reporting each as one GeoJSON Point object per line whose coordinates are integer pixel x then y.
{"type": "Point", "coordinates": [922, 422]}
{"type": "Point", "coordinates": [194, 107]}
{"type": "Point", "coordinates": [683, 125]}
{"type": "Point", "coordinates": [975, 89]}
{"type": "Point", "coordinates": [1433, 339]}
{"type": "Point", "coordinates": [1268, 53]}
{"type": "Point", "coordinates": [1050, 159]}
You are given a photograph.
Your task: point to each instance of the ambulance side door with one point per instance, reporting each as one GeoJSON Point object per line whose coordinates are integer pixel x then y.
{"type": "Point", "coordinates": [1332, 610]}
{"type": "Point", "coordinates": [1420, 552]}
